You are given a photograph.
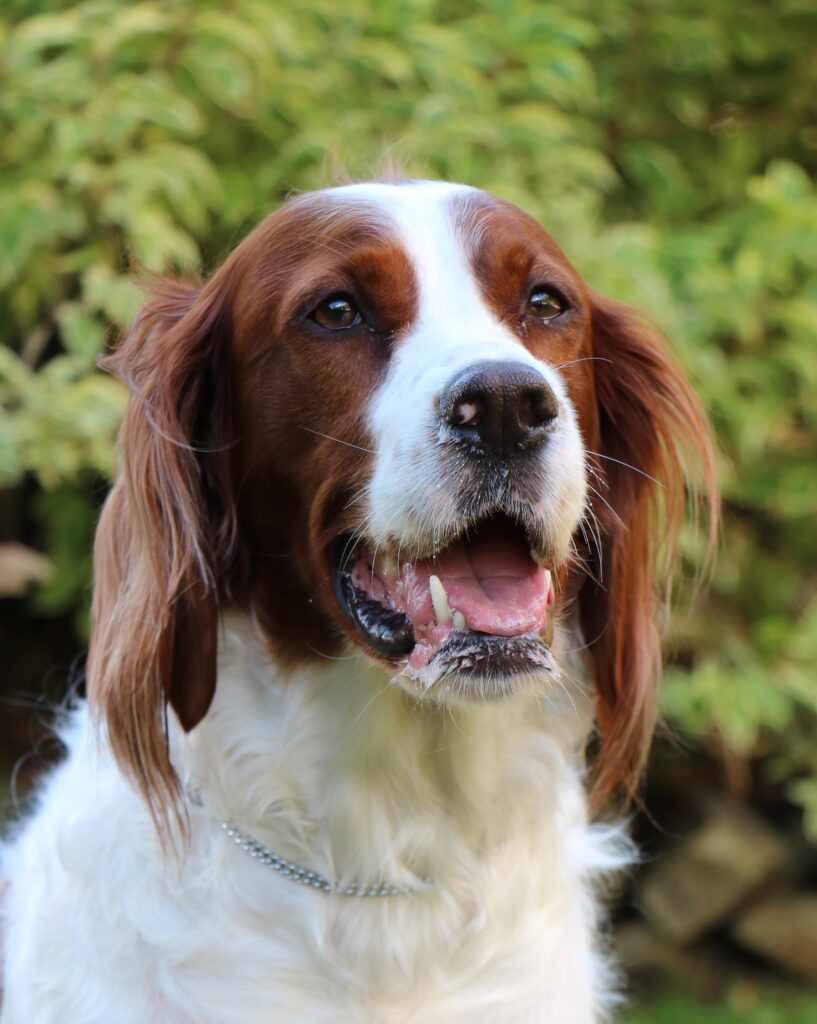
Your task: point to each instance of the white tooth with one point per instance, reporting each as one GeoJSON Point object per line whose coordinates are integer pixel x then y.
{"type": "Point", "coordinates": [547, 636]}
{"type": "Point", "coordinates": [459, 621]}
{"type": "Point", "coordinates": [439, 599]}
{"type": "Point", "coordinates": [548, 581]}
{"type": "Point", "coordinates": [388, 563]}
{"type": "Point", "coordinates": [551, 591]}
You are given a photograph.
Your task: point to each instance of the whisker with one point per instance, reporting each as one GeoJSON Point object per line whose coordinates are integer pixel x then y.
{"type": "Point", "coordinates": [584, 359]}
{"type": "Point", "coordinates": [349, 548]}
{"type": "Point", "coordinates": [594, 472]}
{"type": "Point", "coordinates": [589, 643]}
{"type": "Point", "coordinates": [371, 701]}
{"type": "Point", "coordinates": [595, 531]}
{"type": "Point", "coordinates": [583, 564]}
{"type": "Point", "coordinates": [635, 469]}
{"type": "Point", "coordinates": [369, 451]}
{"type": "Point", "coordinates": [560, 683]}
{"type": "Point", "coordinates": [602, 498]}
{"type": "Point", "coordinates": [331, 657]}
{"type": "Point", "coordinates": [354, 500]}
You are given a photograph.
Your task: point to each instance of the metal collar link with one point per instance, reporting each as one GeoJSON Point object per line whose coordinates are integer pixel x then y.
{"type": "Point", "coordinates": [295, 873]}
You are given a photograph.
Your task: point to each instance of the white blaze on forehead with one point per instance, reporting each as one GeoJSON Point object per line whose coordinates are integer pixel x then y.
{"type": "Point", "coordinates": [451, 307]}
{"type": "Point", "coordinates": [454, 326]}
{"type": "Point", "coordinates": [410, 493]}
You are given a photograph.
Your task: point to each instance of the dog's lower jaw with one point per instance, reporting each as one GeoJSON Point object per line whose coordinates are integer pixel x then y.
{"type": "Point", "coordinates": [343, 773]}
{"type": "Point", "coordinates": [472, 669]}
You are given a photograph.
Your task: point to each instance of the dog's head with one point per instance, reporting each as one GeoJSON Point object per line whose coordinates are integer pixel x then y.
{"type": "Point", "coordinates": [396, 417]}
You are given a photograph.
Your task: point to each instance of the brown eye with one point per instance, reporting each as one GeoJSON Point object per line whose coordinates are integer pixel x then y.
{"type": "Point", "coordinates": [337, 313]}
{"type": "Point", "coordinates": [545, 305]}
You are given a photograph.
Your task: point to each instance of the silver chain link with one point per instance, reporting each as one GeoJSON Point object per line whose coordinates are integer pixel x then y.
{"type": "Point", "coordinates": [313, 879]}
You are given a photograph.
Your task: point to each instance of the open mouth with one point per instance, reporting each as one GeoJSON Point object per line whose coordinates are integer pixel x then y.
{"type": "Point", "coordinates": [481, 606]}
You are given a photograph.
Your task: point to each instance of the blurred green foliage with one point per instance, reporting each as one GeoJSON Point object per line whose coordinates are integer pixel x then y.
{"type": "Point", "coordinates": [769, 1011]}
{"type": "Point", "coordinates": [669, 145]}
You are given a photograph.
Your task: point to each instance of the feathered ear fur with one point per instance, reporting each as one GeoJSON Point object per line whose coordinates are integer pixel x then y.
{"type": "Point", "coordinates": [167, 533]}
{"type": "Point", "coordinates": [654, 439]}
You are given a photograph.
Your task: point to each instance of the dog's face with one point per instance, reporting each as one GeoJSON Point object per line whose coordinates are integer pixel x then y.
{"type": "Point", "coordinates": [419, 384]}
{"type": "Point", "coordinates": [396, 415]}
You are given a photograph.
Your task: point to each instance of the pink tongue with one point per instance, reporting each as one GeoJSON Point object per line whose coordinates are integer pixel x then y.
{"type": "Point", "coordinates": [491, 579]}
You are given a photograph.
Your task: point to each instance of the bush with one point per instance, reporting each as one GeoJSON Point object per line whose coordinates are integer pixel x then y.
{"type": "Point", "coordinates": [776, 1011]}
{"type": "Point", "coordinates": [670, 147]}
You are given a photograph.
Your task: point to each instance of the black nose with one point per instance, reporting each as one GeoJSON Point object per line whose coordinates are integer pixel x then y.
{"type": "Point", "coordinates": [500, 406]}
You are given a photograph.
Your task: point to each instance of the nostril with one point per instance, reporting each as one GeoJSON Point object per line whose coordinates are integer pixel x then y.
{"type": "Point", "coordinates": [536, 408]}
{"type": "Point", "coordinates": [466, 414]}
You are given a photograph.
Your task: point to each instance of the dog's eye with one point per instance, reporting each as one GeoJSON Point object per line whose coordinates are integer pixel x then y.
{"type": "Point", "coordinates": [545, 304]}
{"type": "Point", "coordinates": [337, 313]}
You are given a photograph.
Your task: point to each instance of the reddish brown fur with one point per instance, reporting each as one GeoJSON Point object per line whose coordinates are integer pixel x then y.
{"type": "Point", "coordinates": [167, 531]}
{"type": "Point", "coordinates": [245, 428]}
{"type": "Point", "coordinates": [651, 422]}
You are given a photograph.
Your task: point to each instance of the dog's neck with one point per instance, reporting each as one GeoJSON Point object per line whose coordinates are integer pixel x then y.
{"type": "Point", "coordinates": [344, 773]}
{"type": "Point", "coordinates": [347, 775]}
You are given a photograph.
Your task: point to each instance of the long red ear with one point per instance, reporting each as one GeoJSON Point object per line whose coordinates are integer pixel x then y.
{"type": "Point", "coordinates": [654, 440]}
{"type": "Point", "coordinates": [167, 533]}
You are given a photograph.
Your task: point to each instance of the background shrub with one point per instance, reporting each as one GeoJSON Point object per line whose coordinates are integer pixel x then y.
{"type": "Point", "coordinates": [669, 146]}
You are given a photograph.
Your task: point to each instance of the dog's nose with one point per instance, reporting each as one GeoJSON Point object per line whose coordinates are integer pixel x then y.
{"type": "Point", "coordinates": [499, 406]}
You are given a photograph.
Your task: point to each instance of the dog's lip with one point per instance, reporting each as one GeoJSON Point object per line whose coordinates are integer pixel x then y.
{"type": "Point", "coordinates": [485, 582]}
{"type": "Point", "coordinates": [497, 661]}
{"type": "Point", "coordinates": [387, 633]}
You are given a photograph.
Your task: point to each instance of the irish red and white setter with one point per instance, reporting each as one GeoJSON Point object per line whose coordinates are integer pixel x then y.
{"type": "Point", "coordinates": [381, 558]}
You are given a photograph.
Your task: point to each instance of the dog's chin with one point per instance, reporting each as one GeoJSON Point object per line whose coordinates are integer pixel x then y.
{"type": "Point", "coordinates": [470, 622]}
{"type": "Point", "coordinates": [478, 667]}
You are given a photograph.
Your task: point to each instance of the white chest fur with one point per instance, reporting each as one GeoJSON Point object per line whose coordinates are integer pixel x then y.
{"type": "Point", "coordinates": [343, 774]}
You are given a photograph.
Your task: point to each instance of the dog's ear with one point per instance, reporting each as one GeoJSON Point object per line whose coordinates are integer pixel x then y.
{"type": "Point", "coordinates": [166, 536]}
{"type": "Point", "coordinates": [655, 454]}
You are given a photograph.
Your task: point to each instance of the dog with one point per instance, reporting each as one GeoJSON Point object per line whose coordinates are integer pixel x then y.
{"type": "Point", "coordinates": [394, 523]}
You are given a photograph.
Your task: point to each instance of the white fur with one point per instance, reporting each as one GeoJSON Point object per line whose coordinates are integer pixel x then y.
{"type": "Point", "coordinates": [414, 484]}
{"type": "Point", "coordinates": [345, 774]}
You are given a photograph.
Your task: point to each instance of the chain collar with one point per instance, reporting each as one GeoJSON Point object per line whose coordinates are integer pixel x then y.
{"type": "Point", "coordinates": [313, 879]}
